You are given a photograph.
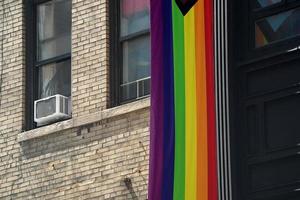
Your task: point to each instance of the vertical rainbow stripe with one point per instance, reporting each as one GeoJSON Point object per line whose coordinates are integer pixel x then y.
{"type": "Point", "coordinates": [183, 137]}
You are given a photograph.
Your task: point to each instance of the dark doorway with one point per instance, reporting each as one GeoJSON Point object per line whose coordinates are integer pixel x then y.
{"type": "Point", "coordinates": [264, 79]}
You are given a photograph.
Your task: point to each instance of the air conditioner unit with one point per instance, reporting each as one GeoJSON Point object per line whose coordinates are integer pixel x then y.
{"type": "Point", "coordinates": [52, 109]}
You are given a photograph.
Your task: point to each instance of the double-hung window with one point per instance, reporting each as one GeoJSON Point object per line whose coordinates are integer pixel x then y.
{"type": "Point", "coordinates": [130, 50]}
{"type": "Point", "coordinates": [48, 51]}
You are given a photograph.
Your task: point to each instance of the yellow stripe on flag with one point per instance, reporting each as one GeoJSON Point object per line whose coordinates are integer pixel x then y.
{"type": "Point", "coordinates": [190, 96]}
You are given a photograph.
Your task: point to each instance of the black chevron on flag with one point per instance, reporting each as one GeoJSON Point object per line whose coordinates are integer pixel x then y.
{"type": "Point", "coordinates": [185, 5]}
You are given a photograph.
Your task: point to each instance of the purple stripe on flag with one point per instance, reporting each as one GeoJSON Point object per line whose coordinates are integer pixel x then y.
{"type": "Point", "coordinates": [169, 129]}
{"type": "Point", "coordinates": [156, 123]}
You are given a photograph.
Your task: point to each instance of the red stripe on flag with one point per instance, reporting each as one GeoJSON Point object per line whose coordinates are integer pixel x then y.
{"type": "Point", "coordinates": [212, 156]}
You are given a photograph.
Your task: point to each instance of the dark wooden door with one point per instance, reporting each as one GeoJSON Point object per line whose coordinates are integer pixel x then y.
{"type": "Point", "coordinates": [265, 99]}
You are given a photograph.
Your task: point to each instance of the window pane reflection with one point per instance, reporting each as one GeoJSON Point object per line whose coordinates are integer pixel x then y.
{"type": "Point", "coordinates": [53, 29]}
{"type": "Point", "coordinates": [136, 68]}
{"type": "Point", "coordinates": [265, 3]}
{"type": "Point", "coordinates": [277, 27]}
{"type": "Point", "coordinates": [136, 59]}
{"type": "Point", "coordinates": [134, 16]}
{"type": "Point", "coordinates": [54, 79]}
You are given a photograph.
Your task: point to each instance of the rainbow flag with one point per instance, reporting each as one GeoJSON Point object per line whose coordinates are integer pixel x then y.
{"type": "Point", "coordinates": [183, 162]}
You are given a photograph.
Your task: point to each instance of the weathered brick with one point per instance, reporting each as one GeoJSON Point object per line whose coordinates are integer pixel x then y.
{"type": "Point", "coordinates": [84, 162]}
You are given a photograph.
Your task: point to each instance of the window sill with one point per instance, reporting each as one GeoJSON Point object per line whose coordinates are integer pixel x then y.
{"type": "Point", "coordinates": [84, 120]}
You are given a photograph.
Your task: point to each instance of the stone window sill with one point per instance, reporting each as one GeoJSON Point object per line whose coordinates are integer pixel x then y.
{"type": "Point", "coordinates": [84, 120]}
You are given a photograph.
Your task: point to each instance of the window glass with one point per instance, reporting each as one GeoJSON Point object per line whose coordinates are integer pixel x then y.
{"type": "Point", "coordinates": [55, 78]}
{"type": "Point", "coordinates": [136, 59]}
{"type": "Point", "coordinates": [277, 27]}
{"type": "Point", "coordinates": [136, 66]}
{"type": "Point", "coordinates": [54, 29]}
{"type": "Point", "coordinates": [134, 16]}
{"type": "Point", "coordinates": [265, 3]}
{"type": "Point", "coordinates": [128, 91]}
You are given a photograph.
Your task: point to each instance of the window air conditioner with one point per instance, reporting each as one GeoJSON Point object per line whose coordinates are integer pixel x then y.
{"type": "Point", "coordinates": [51, 109]}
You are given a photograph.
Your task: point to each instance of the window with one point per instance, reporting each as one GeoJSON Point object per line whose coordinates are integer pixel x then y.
{"type": "Point", "coordinates": [275, 21]}
{"type": "Point", "coordinates": [48, 51]}
{"type": "Point", "coordinates": [130, 50]}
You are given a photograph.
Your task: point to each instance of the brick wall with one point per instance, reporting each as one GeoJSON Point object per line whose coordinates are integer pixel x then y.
{"type": "Point", "coordinates": [89, 56]}
{"type": "Point", "coordinates": [88, 156]}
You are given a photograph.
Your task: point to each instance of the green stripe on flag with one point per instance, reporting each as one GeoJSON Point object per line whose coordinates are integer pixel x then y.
{"type": "Point", "coordinates": [179, 84]}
